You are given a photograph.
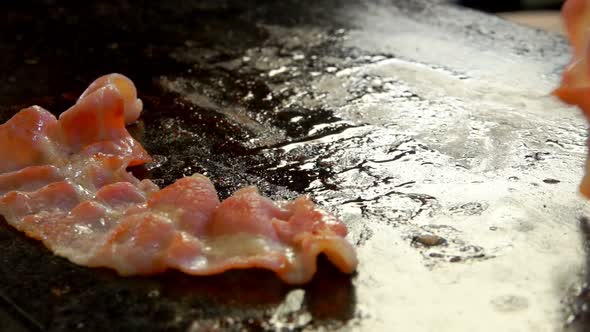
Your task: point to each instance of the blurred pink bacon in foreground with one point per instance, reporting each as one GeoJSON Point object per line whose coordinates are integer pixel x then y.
{"type": "Point", "coordinates": [575, 83]}
{"type": "Point", "coordinates": [65, 182]}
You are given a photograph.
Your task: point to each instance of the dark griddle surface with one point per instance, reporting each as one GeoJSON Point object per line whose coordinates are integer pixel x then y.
{"type": "Point", "coordinates": [332, 98]}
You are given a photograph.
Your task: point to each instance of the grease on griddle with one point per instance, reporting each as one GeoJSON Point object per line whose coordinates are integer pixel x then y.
{"type": "Point", "coordinates": [579, 306]}
{"type": "Point", "coordinates": [97, 299]}
{"type": "Point", "coordinates": [428, 240]}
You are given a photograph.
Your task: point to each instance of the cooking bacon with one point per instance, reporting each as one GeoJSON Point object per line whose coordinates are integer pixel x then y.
{"type": "Point", "coordinates": [65, 182]}
{"type": "Point", "coordinates": [575, 83]}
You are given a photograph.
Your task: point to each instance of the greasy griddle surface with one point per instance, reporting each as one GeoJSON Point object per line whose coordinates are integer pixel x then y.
{"type": "Point", "coordinates": [217, 101]}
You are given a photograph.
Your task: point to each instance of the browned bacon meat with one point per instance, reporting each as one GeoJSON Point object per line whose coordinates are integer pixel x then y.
{"type": "Point", "coordinates": [575, 83]}
{"type": "Point", "coordinates": [65, 183]}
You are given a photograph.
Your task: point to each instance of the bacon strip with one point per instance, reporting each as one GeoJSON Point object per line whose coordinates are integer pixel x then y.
{"type": "Point", "coordinates": [575, 83]}
{"type": "Point", "coordinates": [65, 183]}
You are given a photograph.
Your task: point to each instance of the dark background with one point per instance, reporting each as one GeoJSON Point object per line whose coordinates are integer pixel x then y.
{"type": "Point", "coordinates": [511, 5]}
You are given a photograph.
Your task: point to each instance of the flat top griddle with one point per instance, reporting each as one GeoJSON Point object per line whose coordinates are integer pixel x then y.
{"type": "Point", "coordinates": [428, 128]}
